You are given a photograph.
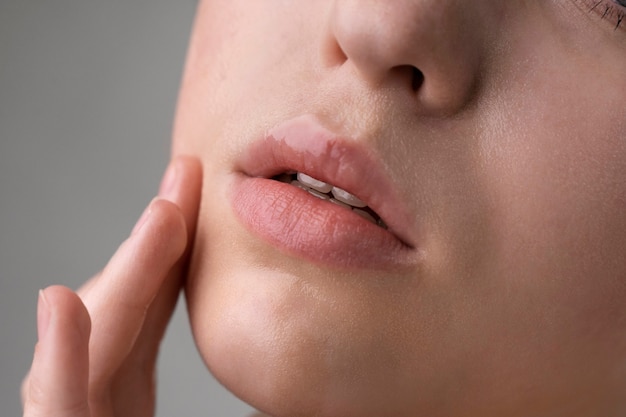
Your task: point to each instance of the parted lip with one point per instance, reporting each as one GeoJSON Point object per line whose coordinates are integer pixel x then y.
{"type": "Point", "coordinates": [303, 144]}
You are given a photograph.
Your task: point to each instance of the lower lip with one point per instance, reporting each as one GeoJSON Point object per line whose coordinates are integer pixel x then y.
{"type": "Point", "coordinates": [313, 229]}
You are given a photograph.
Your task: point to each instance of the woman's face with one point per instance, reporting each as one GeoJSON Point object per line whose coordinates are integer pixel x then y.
{"type": "Point", "coordinates": [488, 136]}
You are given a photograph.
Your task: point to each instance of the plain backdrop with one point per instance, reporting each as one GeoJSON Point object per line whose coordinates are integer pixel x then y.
{"type": "Point", "coordinates": [87, 97]}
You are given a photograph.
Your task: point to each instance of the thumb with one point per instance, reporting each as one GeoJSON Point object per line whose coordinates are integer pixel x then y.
{"type": "Point", "coordinates": [57, 383]}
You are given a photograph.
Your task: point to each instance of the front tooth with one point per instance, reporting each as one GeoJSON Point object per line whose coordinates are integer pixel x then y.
{"type": "Point", "coordinates": [346, 197]}
{"type": "Point", "coordinates": [311, 182]}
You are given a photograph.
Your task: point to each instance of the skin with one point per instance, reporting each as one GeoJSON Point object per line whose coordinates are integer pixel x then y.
{"type": "Point", "coordinates": [510, 155]}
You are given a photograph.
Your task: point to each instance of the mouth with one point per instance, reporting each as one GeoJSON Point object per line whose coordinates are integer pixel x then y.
{"type": "Point", "coordinates": [323, 198]}
{"type": "Point", "coordinates": [332, 194]}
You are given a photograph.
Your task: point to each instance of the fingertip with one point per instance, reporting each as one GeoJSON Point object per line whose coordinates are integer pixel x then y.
{"type": "Point", "coordinates": [182, 185]}
{"type": "Point", "coordinates": [181, 175]}
{"type": "Point", "coordinates": [57, 381]}
{"type": "Point", "coordinates": [190, 163]}
{"type": "Point", "coordinates": [163, 218]}
{"type": "Point", "coordinates": [167, 189]}
{"type": "Point", "coordinates": [43, 315]}
{"type": "Point", "coordinates": [66, 307]}
{"type": "Point", "coordinates": [143, 218]}
{"type": "Point", "coordinates": [165, 230]}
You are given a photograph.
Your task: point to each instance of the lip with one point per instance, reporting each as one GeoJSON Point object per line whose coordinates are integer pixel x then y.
{"type": "Point", "coordinates": [316, 230]}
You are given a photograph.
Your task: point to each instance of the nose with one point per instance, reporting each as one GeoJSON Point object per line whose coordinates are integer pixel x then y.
{"type": "Point", "coordinates": [431, 48]}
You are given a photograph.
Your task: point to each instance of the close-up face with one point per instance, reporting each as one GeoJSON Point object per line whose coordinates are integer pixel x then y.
{"type": "Point", "coordinates": [486, 275]}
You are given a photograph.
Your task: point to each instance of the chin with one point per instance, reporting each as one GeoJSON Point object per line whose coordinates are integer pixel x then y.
{"type": "Point", "coordinates": [296, 340]}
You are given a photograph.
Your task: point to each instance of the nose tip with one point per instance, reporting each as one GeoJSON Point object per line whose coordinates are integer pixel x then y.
{"type": "Point", "coordinates": [425, 46]}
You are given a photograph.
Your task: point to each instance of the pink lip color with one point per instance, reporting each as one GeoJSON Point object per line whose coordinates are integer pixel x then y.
{"type": "Point", "coordinates": [317, 230]}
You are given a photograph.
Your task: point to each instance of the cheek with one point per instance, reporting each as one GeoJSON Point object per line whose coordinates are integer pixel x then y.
{"type": "Point", "coordinates": [556, 178]}
{"type": "Point", "coordinates": [558, 181]}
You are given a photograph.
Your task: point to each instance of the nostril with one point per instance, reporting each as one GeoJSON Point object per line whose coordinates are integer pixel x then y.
{"type": "Point", "coordinates": [408, 75]}
{"type": "Point", "coordinates": [417, 78]}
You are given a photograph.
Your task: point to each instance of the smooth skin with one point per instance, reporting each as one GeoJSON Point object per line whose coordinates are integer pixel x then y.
{"type": "Point", "coordinates": [97, 348]}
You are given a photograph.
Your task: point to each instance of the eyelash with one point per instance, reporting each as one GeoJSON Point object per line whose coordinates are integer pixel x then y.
{"type": "Point", "coordinates": [614, 10]}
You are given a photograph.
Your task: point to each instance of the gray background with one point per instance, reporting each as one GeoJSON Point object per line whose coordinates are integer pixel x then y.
{"type": "Point", "coordinates": [87, 97]}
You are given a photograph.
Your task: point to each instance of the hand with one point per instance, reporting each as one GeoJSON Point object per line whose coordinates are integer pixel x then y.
{"type": "Point", "coordinates": [97, 348]}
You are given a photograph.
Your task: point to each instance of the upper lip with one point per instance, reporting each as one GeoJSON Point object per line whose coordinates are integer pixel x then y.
{"type": "Point", "coordinates": [303, 145]}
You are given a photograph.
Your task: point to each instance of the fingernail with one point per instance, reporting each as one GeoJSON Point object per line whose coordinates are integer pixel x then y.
{"type": "Point", "coordinates": [143, 218]}
{"type": "Point", "coordinates": [43, 315]}
{"type": "Point", "coordinates": [167, 189]}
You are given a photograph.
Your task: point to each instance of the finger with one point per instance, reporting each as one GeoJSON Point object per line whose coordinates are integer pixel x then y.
{"type": "Point", "coordinates": [185, 192]}
{"type": "Point", "coordinates": [183, 189]}
{"type": "Point", "coordinates": [138, 369]}
{"type": "Point", "coordinates": [120, 296]}
{"type": "Point", "coordinates": [181, 185]}
{"type": "Point", "coordinates": [57, 383]}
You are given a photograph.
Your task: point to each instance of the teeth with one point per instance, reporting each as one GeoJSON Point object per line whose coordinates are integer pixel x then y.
{"type": "Point", "coordinates": [319, 195]}
{"type": "Point", "coordinates": [339, 203]}
{"type": "Point", "coordinates": [316, 193]}
{"type": "Point", "coordinates": [346, 197]}
{"type": "Point", "coordinates": [326, 192]}
{"type": "Point", "coordinates": [311, 182]}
